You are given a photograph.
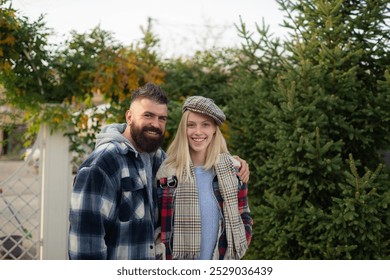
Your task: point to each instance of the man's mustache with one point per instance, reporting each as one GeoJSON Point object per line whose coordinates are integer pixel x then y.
{"type": "Point", "coordinates": [153, 129]}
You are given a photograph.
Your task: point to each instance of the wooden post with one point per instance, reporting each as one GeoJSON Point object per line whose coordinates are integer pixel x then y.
{"type": "Point", "coordinates": [56, 176]}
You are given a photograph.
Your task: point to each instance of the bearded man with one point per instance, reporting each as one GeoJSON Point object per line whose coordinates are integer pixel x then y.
{"type": "Point", "coordinates": [113, 212]}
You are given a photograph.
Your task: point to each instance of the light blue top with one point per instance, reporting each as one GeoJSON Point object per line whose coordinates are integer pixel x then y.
{"type": "Point", "coordinates": [209, 212]}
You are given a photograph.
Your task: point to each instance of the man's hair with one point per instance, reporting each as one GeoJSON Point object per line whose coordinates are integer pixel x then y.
{"type": "Point", "coordinates": [152, 92]}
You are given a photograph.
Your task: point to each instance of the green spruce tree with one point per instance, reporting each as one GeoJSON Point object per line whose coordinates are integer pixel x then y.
{"type": "Point", "coordinates": [320, 189]}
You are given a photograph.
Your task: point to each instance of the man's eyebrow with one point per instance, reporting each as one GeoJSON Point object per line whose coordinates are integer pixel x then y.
{"type": "Point", "coordinates": [153, 114]}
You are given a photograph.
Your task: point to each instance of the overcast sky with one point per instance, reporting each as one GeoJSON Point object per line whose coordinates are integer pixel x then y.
{"type": "Point", "coordinates": [182, 26]}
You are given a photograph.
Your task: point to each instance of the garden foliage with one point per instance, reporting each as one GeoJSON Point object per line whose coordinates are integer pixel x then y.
{"type": "Point", "coordinates": [309, 112]}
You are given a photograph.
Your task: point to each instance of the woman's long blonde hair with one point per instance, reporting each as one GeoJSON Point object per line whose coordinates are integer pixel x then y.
{"type": "Point", "coordinates": [178, 153]}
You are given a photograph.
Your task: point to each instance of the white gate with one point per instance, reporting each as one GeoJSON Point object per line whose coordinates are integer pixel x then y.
{"type": "Point", "coordinates": [34, 202]}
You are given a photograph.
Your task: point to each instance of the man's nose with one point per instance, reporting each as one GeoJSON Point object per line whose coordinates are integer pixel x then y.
{"type": "Point", "coordinates": [154, 122]}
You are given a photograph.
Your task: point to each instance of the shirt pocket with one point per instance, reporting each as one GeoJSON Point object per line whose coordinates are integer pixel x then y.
{"type": "Point", "coordinates": [132, 205]}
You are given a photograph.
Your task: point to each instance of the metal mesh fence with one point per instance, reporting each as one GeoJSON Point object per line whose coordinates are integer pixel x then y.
{"type": "Point", "coordinates": [20, 214]}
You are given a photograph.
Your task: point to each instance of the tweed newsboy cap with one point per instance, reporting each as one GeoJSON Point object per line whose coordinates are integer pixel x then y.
{"type": "Point", "coordinates": [206, 106]}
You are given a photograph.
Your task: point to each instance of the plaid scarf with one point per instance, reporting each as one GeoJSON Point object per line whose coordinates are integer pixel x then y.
{"type": "Point", "coordinates": [187, 229]}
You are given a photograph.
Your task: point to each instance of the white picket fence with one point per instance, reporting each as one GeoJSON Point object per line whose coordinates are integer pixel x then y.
{"type": "Point", "coordinates": [34, 202]}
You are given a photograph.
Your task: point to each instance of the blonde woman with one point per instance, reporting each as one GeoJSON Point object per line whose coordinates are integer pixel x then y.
{"type": "Point", "coordinates": [203, 205]}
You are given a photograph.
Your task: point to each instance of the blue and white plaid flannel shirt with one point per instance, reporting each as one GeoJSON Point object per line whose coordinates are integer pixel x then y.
{"type": "Point", "coordinates": [113, 211]}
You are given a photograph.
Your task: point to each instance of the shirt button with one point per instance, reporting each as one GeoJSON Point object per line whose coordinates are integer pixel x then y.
{"type": "Point", "coordinates": [151, 247]}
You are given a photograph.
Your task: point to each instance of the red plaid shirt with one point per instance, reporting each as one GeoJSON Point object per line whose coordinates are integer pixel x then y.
{"type": "Point", "coordinates": [166, 203]}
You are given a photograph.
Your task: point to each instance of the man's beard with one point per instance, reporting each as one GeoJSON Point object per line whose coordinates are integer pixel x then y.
{"type": "Point", "coordinates": [143, 141]}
